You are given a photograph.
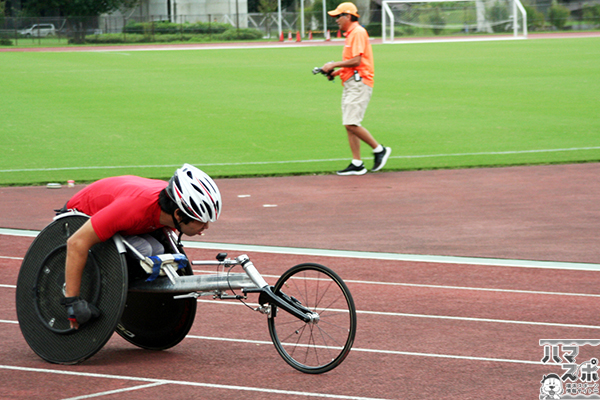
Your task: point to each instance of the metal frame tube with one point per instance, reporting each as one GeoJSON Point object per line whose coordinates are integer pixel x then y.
{"type": "Point", "coordinates": [194, 283]}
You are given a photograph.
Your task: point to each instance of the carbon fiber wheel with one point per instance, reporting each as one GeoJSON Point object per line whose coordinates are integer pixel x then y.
{"type": "Point", "coordinates": [43, 320]}
{"type": "Point", "coordinates": [156, 321]}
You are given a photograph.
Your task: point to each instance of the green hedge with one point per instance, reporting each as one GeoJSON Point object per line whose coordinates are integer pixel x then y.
{"type": "Point", "coordinates": [558, 15]}
{"type": "Point", "coordinates": [228, 35]}
{"type": "Point", "coordinates": [535, 18]}
{"type": "Point", "coordinates": [591, 13]}
{"type": "Point", "coordinates": [241, 34]}
{"type": "Point", "coordinates": [374, 29]}
{"type": "Point", "coordinates": [110, 38]}
{"type": "Point", "coordinates": [165, 27]}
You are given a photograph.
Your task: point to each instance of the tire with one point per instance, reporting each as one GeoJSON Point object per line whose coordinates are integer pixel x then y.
{"type": "Point", "coordinates": [156, 321]}
{"type": "Point", "coordinates": [314, 348]}
{"type": "Point", "coordinates": [43, 320]}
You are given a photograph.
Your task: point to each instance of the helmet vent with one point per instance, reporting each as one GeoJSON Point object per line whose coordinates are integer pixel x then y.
{"type": "Point", "coordinates": [195, 207]}
{"type": "Point", "coordinates": [178, 184]}
{"type": "Point", "coordinates": [197, 189]}
{"type": "Point", "coordinates": [209, 210]}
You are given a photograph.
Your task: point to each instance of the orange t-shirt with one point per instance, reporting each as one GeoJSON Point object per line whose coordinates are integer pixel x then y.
{"type": "Point", "coordinates": [357, 44]}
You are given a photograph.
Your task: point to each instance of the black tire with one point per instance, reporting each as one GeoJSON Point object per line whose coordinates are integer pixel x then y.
{"type": "Point", "coordinates": [320, 347]}
{"type": "Point", "coordinates": [156, 321]}
{"type": "Point", "coordinates": [43, 320]}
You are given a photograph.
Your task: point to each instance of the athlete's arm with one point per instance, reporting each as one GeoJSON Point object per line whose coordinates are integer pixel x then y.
{"type": "Point", "coordinates": [78, 247]}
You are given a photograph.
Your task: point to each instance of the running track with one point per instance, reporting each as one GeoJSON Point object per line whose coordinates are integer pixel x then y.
{"type": "Point", "coordinates": [457, 324]}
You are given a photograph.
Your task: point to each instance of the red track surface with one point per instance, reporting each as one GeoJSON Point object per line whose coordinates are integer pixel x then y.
{"type": "Point", "coordinates": [446, 340]}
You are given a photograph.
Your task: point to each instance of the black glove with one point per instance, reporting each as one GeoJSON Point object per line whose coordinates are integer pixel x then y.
{"type": "Point", "coordinates": [79, 310]}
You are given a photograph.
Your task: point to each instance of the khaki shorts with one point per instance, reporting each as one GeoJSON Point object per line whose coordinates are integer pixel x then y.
{"type": "Point", "coordinates": [355, 99]}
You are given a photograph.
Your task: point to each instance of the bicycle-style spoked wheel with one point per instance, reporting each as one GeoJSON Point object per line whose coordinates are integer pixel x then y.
{"type": "Point", "coordinates": [314, 347]}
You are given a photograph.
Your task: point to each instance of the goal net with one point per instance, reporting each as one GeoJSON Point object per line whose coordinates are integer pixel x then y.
{"type": "Point", "coordinates": [448, 19]}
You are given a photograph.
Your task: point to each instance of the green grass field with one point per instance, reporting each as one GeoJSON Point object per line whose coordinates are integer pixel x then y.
{"type": "Point", "coordinates": [87, 115]}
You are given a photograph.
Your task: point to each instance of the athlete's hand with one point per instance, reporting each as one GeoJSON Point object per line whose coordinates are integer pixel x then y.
{"type": "Point", "coordinates": [79, 311]}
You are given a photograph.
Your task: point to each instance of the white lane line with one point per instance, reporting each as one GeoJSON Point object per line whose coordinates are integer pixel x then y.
{"type": "Point", "coordinates": [495, 321]}
{"type": "Point", "coordinates": [418, 285]}
{"type": "Point", "coordinates": [404, 353]}
{"type": "Point", "coordinates": [446, 287]}
{"type": "Point", "coordinates": [485, 153]}
{"type": "Point", "coordinates": [184, 383]}
{"type": "Point", "coordinates": [90, 396]}
{"type": "Point", "coordinates": [12, 258]}
{"type": "Point", "coordinates": [429, 316]}
{"type": "Point", "coordinates": [396, 352]}
{"type": "Point", "coordinates": [426, 316]}
{"type": "Point", "coordinates": [366, 254]}
{"type": "Point", "coordinates": [498, 262]}
{"type": "Point", "coordinates": [18, 232]}
{"type": "Point", "coordinates": [441, 287]}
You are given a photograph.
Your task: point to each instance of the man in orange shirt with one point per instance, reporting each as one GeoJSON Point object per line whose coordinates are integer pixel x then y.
{"type": "Point", "coordinates": [356, 72]}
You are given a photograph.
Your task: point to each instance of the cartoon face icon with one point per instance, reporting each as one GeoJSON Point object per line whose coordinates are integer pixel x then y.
{"type": "Point", "coordinates": [551, 387]}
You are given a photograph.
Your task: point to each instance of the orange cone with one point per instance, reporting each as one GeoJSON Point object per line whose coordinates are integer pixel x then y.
{"type": "Point", "coordinates": [289, 35]}
{"type": "Point", "coordinates": [281, 36]}
{"type": "Point", "coordinates": [327, 36]}
{"type": "Point", "coordinates": [298, 39]}
{"type": "Point", "coordinates": [339, 34]}
{"type": "Point", "coordinates": [309, 35]}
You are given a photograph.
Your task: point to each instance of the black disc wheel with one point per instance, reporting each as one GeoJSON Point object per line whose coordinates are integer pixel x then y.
{"type": "Point", "coordinates": [43, 320]}
{"type": "Point", "coordinates": [320, 345]}
{"type": "Point", "coordinates": [157, 321]}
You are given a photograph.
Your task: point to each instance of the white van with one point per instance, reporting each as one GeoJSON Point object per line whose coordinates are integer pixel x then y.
{"type": "Point", "coordinates": [39, 30]}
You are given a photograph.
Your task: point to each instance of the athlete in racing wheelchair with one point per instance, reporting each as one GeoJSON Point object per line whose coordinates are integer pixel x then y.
{"type": "Point", "coordinates": [83, 262]}
{"type": "Point", "coordinates": [136, 207]}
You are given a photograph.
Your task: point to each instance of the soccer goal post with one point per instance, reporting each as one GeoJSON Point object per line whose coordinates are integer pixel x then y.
{"type": "Point", "coordinates": [458, 18]}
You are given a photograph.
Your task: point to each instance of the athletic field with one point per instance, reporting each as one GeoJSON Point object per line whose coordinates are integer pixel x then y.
{"type": "Point", "coordinates": [460, 277]}
{"type": "Point", "coordinates": [260, 111]}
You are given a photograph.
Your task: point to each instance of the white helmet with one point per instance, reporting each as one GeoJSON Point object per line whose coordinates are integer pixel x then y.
{"type": "Point", "coordinates": [195, 193]}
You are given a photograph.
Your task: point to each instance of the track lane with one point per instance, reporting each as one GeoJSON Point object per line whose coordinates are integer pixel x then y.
{"type": "Point", "coordinates": [417, 345]}
{"type": "Point", "coordinates": [426, 329]}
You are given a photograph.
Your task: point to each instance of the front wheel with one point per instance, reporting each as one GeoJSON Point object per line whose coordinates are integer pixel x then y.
{"type": "Point", "coordinates": [321, 345]}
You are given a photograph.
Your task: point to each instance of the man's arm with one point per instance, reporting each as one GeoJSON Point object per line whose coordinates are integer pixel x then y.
{"type": "Point", "coordinates": [78, 247]}
{"type": "Point", "coordinates": [351, 63]}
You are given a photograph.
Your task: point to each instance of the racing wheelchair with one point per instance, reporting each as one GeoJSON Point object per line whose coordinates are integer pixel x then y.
{"type": "Point", "coordinates": [310, 312]}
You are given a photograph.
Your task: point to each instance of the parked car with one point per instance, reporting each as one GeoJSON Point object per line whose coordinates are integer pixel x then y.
{"type": "Point", "coordinates": [39, 30]}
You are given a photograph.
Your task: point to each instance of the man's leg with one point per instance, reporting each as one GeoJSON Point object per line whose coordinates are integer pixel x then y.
{"type": "Point", "coordinates": [355, 99]}
{"type": "Point", "coordinates": [355, 135]}
{"type": "Point", "coordinates": [146, 245]}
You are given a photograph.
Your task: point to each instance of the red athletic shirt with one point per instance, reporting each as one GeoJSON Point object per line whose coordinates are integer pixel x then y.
{"type": "Point", "coordinates": [124, 204]}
